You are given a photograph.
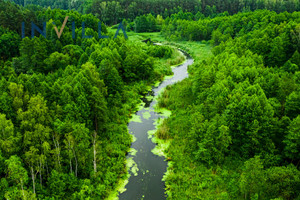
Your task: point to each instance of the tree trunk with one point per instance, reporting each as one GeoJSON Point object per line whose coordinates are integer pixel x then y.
{"type": "Point", "coordinates": [71, 166]}
{"type": "Point", "coordinates": [33, 181]}
{"type": "Point", "coordinates": [76, 163]}
{"type": "Point", "coordinates": [23, 190]}
{"type": "Point", "coordinates": [41, 180]}
{"type": "Point", "coordinates": [56, 143]}
{"type": "Point", "coordinates": [70, 157]}
{"type": "Point", "coordinates": [95, 152]}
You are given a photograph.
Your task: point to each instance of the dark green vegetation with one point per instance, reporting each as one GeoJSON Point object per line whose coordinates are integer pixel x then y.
{"type": "Point", "coordinates": [65, 104]}
{"type": "Point", "coordinates": [235, 123]}
{"type": "Point", "coordinates": [112, 12]}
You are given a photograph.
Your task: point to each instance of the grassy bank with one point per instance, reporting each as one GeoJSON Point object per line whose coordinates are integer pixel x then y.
{"type": "Point", "coordinates": [183, 177]}
{"type": "Point", "coordinates": [162, 67]}
{"type": "Point", "coordinates": [180, 171]}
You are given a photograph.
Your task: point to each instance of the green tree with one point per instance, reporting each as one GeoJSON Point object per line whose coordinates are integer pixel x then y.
{"type": "Point", "coordinates": [74, 52]}
{"type": "Point", "coordinates": [213, 141]}
{"type": "Point", "coordinates": [292, 106]}
{"type": "Point", "coordinates": [253, 179]}
{"type": "Point", "coordinates": [9, 140]}
{"type": "Point", "coordinates": [36, 135]}
{"type": "Point", "coordinates": [283, 182]}
{"type": "Point", "coordinates": [10, 44]}
{"type": "Point", "coordinates": [57, 61]}
{"type": "Point", "coordinates": [26, 52]}
{"type": "Point", "coordinates": [39, 54]}
{"type": "Point", "coordinates": [17, 173]}
{"type": "Point", "coordinates": [292, 140]}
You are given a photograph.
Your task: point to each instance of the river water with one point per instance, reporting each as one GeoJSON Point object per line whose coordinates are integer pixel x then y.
{"type": "Point", "coordinates": [147, 183]}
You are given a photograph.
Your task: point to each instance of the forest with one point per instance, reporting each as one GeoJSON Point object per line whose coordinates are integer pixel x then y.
{"type": "Point", "coordinates": [236, 119]}
{"type": "Point", "coordinates": [65, 104]}
{"type": "Point", "coordinates": [113, 11]}
{"type": "Point", "coordinates": [234, 131]}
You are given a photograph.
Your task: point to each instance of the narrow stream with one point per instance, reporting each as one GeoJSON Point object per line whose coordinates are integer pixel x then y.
{"type": "Point", "coordinates": [147, 183]}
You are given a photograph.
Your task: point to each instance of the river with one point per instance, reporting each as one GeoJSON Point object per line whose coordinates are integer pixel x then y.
{"type": "Point", "coordinates": [146, 183]}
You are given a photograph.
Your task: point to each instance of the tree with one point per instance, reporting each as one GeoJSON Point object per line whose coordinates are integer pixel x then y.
{"type": "Point", "coordinates": [35, 126]}
{"type": "Point", "coordinates": [252, 180]}
{"type": "Point", "coordinates": [39, 54]}
{"type": "Point", "coordinates": [213, 141]}
{"type": "Point", "coordinates": [18, 95]}
{"type": "Point", "coordinates": [137, 66]}
{"type": "Point", "coordinates": [283, 182]}
{"type": "Point", "coordinates": [74, 52]}
{"type": "Point", "coordinates": [292, 141]}
{"type": "Point", "coordinates": [83, 59]}
{"type": "Point", "coordinates": [296, 58]}
{"type": "Point", "coordinates": [57, 61]}
{"type": "Point", "coordinates": [10, 44]}
{"type": "Point", "coordinates": [250, 118]}
{"type": "Point", "coordinates": [57, 184]}
{"type": "Point", "coordinates": [277, 55]}
{"type": "Point", "coordinates": [76, 147]}
{"type": "Point", "coordinates": [17, 173]}
{"type": "Point", "coordinates": [141, 24]}
{"type": "Point", "coordinates": [26, 52]}
{"type": "Point", "coordinates": [292, 106]}
{"type": "Point", "coordinates": [296, 36]}
{"type": "Point", "coordinates": [9, 140]}
{"type": "Point", "coordinates": [111, 77]}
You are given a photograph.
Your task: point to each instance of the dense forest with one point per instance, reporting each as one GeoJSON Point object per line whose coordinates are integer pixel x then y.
{"type": "Point", "coordinates": [65, 103]}
{"type": "Point", "coordinates": [112, 12]}
{"type": "Point", "coordinates": [236, 120]}
{"type": "Point", "coordinates": [234, 131]}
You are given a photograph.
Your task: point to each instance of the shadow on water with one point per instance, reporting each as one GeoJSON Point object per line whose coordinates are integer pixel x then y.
{"type": "Point", "coordinates": [147, 184]}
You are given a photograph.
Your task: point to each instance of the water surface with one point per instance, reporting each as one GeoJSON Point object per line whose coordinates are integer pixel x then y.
{"type": "Point", "coordinates": [147, 184]}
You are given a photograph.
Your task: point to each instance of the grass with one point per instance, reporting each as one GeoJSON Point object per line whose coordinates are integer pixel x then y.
{"type": "Point", "coordinates": [199, 50]}
{"type": "Point", "coordinates": [155, 36]}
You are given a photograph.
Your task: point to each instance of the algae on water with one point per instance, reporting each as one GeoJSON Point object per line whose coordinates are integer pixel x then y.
{"type": "Point", "coordinates": [146, 115]}
{"type": "Point", "coordinates": [136, 118]}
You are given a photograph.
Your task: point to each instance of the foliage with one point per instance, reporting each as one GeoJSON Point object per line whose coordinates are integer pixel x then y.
{"type": "Point", "coordinates": [235, 120]}
{"type": "Point", "coordinates": [65, 103]}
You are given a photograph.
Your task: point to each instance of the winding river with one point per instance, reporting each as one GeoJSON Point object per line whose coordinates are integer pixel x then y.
{"type": "Point", "coordinates": [146, 181]}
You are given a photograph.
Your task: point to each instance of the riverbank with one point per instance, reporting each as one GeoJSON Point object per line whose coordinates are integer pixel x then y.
{"type": "Point", "coordinates": [196, 49]}
{"type": "Point", "coordinates": [165, 142]}
{"type": "Point", "coordinates": [131, 166]}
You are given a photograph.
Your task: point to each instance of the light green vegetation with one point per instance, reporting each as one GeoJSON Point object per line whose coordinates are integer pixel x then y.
{"type": "Point", "coordinates": [132, 151]}
{"type": "Point", "coordinates": [163, 111]}
{"type": "Point", "coordinates": [151, 134]}
{"type": "Point", "coordinates": [136, 118]}
{"type": "Point", "coordinates": [146, 115]}
{"type": "Point", "coordinates": [133, 138]}
{"type": "Point", "coordinates": [149, 98]}
{"type": "Point", "coordinates": [141, 106]}
{"type": "Point", "coordinates": [155, 36]}
{"type": "Point", "coordinates": [176, 58]}
{"type": "Point", "coordinates": [120, 188]}
{"type": "Point", "coordinates": [155, 136]}
{"type": "Point", "coordinates": [200, 50]}
{"type": "Point", "coordinates": [132, 166]}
